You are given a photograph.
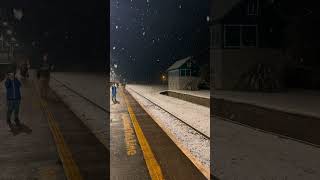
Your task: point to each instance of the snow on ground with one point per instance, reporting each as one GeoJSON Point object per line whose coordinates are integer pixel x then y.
{"type": "Point", "coordinates": [294, 101]}
{"type": "Point", "coordinates": [183, 135]}
{"type": "Point", "coordinates": [195, 115]}
{"type": "Point", "coordinates": [201, 93]}
{"type": "Point", "coordinates": [90, 86]}
{"type": "Point", "coordinates": [244, 153]}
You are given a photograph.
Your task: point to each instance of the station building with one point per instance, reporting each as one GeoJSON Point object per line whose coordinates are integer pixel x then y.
{"type": "Point", "coordinates": [264, 39]}
{"type": "Point", "coordinates": [184, 75]}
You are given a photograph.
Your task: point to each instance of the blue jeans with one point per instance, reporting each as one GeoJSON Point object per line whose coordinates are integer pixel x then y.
{"type": "Point", "coordinates": [13, 107]}
{"type": "Point", "coordinates": [114, 97]}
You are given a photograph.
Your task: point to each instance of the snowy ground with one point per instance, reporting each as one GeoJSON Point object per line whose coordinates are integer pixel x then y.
{"type": "Point", "coordinates": [202, 93]}
{"type": "Point", "coordinates": [195, 115]}
{"type": "Point", "coordinates": [244, 153]}
{"type": "Point", "coordinates": [91, 86]}
{"type": "Point", "coordinates": [186, 138]}
{"type": "Point", "coordinates": [294, 101]}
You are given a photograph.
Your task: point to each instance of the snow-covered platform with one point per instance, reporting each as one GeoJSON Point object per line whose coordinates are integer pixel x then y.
{"type": "Point", "coordinates": [301, 102]}
{"type": "Point", "coordinates": [244, 153]}
{"type": "Point", "coordinates": [200, 93]}
{"type": "Point", "coordinates": [295, 114]}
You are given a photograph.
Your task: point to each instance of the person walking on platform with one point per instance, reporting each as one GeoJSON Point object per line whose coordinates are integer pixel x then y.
{"type": "Point", "coordinates": [13, 85]}
{"type": "Point", "coordinates": [24, 69]}
{"type": "Point", "coordinates": [43, 76]}
{"type": "Point", "coordinates": [114, 93]}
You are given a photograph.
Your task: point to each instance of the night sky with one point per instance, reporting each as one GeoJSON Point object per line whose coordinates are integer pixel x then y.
{"type": "Point", "coordinates": [75, 33]}
{"type": "Point", "coordinates": [147, 36]}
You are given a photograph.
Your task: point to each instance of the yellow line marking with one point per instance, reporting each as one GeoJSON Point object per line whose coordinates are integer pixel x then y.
{"type": "Point", "coordinates": [203, 169]}
{"type": "Point", "coordinates": [152, 164]}
{"type": "Point", "coordinates": [129, 136]}
{"type": "Point", "coordinates": [71, 169]}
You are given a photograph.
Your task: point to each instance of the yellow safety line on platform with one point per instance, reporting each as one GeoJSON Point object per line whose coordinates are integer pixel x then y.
{"type": "Point", "coordinates": [152, 164]}
{"type": "Point", "coordinates": [71, 169]}
{"type": "Point", "coordinates": [129, 136]}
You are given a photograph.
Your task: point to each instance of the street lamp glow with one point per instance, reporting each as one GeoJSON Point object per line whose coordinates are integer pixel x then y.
{"type": "Point", "coordinates": [163, 77]}
{"type": "Point", "coordinates": [208, 19]}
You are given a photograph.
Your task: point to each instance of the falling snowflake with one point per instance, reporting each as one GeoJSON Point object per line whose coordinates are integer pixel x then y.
{"type": "Point", "coordinates": [144, 33]}
{"type": "Point", "coordinates": [9, 32]}
{"type": "Point", "coordinates": [18, 14]}
{"type": "Point", "coordinates": [113, 47]}
{"type": "Point", "coordinates": [208, 18]}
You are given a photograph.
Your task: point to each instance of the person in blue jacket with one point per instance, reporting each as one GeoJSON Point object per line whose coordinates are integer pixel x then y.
{"type": "Point", "coordinates": [13, 86]}
{"type": "Point", "coordinates": [114, 93]}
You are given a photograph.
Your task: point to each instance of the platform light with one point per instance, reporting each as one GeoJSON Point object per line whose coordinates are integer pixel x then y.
{"type": "Point", "coordinates": [163, 77]}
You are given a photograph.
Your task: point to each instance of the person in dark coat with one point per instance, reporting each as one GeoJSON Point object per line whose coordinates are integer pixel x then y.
{"type": "Point", "coordinates": [43, 75]}
{"type": "Point", "coordinates": [114, 93]}
{"type": "Point", "coordinates": [13, 86]}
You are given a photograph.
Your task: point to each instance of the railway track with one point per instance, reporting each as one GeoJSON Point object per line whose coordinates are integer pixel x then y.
{"type": "Point", "coordinates": [82, 96]}
{"type": "Point", "coordinates": [105, 109]}
{"type": "Point", "coordinates": [196, 130]}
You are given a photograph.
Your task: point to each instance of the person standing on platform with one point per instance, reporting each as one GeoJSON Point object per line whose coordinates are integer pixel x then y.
{"type": "Point", "coordinates": [43, 76]}
{"type": "Point", "coordinates": [13, 86]}
{"type": "Point", "coordinates": [114, 93]}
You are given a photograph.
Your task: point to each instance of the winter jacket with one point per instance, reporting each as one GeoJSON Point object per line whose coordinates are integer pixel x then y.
{"type": "Point", "coordinates": [114, 90]}
{"type": "Point", "coordinates": [13, 89]}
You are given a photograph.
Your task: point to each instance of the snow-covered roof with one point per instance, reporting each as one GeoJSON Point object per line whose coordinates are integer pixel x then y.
{"type": "Point", "coordinates": [179, 63]}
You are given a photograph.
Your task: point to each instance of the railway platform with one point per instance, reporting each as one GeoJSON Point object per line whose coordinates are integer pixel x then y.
{"type": "Point", "coordinates": [52, 142]}
{"type": "Point", "coordinates": [156, 156]}
{"type": "Point", "coordinates": [137, 151]}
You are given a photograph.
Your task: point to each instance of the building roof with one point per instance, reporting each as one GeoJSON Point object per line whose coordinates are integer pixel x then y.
{"type": "Point", "coordinates": [178, 64]}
